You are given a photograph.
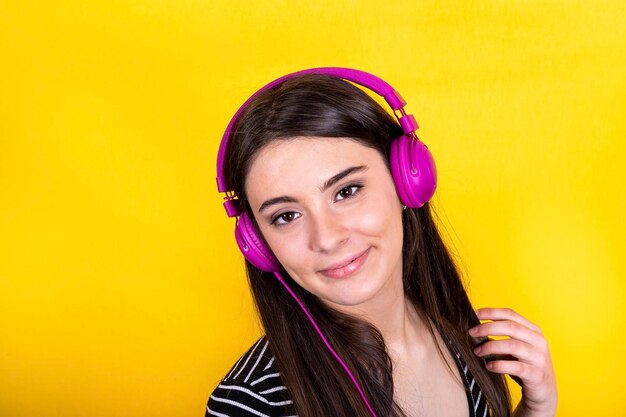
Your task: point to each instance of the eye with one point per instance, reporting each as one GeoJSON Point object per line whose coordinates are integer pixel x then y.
{"type": "Point", "coordinates": [348, 192]}
{"type": "Point", "coordinates": [285, 218]}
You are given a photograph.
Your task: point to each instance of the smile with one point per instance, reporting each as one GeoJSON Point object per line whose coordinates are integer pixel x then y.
{"type": "Point", "coordinates": [344, 269]}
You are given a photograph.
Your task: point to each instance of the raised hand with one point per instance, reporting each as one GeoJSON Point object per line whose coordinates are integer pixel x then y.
{"type": "Point", "coordinates": [524, 356]}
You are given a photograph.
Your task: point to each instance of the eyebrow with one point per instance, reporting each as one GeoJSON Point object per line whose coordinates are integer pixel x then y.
{"type": "Point", "coordinates": [329, 183]}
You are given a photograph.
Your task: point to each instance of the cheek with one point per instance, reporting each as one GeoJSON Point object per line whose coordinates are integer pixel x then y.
{"type": "Point", "coordinates": [380, 218]}
{"type": "Point", "coordinates": [289, 252]}
{"type": "Point", "coordinates": [289, 249]}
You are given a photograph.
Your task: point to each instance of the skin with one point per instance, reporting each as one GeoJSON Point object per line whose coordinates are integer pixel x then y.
{"type": "Point", "coordinates": [315, 228]}
{"type": "Point", "coordinates": [524, 356]}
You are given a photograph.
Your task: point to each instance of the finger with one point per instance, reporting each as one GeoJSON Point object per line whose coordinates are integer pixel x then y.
{"type": "Point", "coordinates": [505, 314]}
{"type": "Point", "coordinates": [517, 349]}
{"type": "Point", "coordinates": [522, 370]}
{"type": "Point", "coordinates": [508, 328]}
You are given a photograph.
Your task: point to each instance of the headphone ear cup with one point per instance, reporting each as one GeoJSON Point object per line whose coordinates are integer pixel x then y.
{"type": "Point", "coordinates": [253, 247]}
{"type": "Point", "coordinates": [413, 171]}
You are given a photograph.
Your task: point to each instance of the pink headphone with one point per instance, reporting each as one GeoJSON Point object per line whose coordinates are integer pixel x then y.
{"type": "Point", "coordinates": [412, 168]}
{"type": "Point", "coordinates": [412, 165]}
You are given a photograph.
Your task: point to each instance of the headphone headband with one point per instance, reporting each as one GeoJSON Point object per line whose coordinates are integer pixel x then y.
{"type": "Point", "coordinates": [365, 79]}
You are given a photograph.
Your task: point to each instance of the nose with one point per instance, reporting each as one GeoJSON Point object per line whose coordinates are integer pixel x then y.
{"type": "Point", "coordinates": [328, 231]}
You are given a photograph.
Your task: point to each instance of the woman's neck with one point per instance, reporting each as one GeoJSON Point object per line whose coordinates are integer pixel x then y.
{"type": "Point", "coordinates": [402, 327]}
{"type": "Point", "coordinates": [397, 319]}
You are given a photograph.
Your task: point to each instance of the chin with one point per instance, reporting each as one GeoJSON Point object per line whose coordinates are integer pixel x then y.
{"type": "Point", "coordinates": [350, 300]}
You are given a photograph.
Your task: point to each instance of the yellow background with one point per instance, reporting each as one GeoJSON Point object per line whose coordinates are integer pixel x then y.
{"type": "Point", "coordinates": [121, 289]}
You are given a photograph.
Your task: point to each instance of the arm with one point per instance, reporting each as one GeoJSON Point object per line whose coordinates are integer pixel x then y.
{"type": "Point", "coordinates": [527, 357]}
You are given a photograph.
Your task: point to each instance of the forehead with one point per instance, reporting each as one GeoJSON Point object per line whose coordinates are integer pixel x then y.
{"type": "Point", "coordinates": [288, 165]}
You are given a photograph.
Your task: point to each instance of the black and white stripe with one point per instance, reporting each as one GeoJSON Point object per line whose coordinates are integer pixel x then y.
{"type": "Point", "coordinates": [477, 403]}
{"type": "Point", "coordinates": [253, 387]}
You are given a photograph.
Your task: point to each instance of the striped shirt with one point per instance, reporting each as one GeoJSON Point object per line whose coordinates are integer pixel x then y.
{"type": "Point", "coordinates": [253, 387]}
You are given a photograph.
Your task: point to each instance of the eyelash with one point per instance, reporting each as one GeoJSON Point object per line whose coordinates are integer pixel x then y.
{"type": "Point", "coordinates": [354, 187]}
{"type": "Point", "coordinates": [357, 187]}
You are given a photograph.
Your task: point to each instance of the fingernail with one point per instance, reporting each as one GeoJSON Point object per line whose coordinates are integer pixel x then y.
{"type": "Point", "coordinates": [473, 331]}
{"type": "Point", "coordinates": [477, 350]}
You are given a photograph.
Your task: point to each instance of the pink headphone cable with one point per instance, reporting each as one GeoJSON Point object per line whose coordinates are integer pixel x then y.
{"type": "Point", "coordinates": [369, 407]}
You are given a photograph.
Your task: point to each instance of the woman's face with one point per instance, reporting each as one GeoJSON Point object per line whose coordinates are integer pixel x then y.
{"type": "Point", "coordinates": [329, 211]}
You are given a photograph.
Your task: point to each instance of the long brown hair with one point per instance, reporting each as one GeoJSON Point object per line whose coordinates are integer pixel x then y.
{"type": "Point", "coordinates": [324, 106]}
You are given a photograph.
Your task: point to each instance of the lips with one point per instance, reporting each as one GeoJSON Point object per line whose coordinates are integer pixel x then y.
{"type": "Point", "coordinates": [347, 267]}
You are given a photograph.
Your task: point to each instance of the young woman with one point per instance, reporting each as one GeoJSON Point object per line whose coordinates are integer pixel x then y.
{"type": "Point", "coordinates": [363, 308]}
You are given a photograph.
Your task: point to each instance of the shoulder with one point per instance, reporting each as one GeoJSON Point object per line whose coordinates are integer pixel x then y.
{"type": "Point", "coordinates": [252, 387]}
